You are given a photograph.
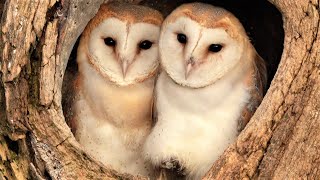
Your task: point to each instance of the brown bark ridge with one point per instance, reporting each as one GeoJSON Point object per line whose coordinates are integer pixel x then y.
{"type": "Point", "coordinates": [37, 37]}
{"type": "Point", "coordinates": [282, 141]}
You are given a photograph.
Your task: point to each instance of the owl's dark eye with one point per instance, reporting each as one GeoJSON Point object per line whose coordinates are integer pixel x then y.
{"type": "Point", "coordinates": [145, 45]}
{"type": "Point", "coordinates": [109, 41]}
{"type": "Point", "coordinates": [215, 48]}
{"type": "Point", "coordinates": [182, 38]}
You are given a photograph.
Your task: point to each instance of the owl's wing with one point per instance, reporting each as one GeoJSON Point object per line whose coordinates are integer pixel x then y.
{"type": "Point", "coordinates": [154, 100]}
{"type": "Point", "coordinates": [257, 88]}
{"type": "Point", "coordinates": [154, 111]}
{"type": "Point", "coordinates": [261, 74]}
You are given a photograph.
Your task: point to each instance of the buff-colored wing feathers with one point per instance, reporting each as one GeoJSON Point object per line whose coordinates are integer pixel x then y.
{"type": "Point", "coordinates": [257, 88]}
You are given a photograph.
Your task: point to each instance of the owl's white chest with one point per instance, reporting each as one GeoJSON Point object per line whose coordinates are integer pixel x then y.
{"type": "Point", "coordinates": [195, 125]}
{"type": "Point", "coordinates": [111, 145]}
{"type": "Point", "coordinates": [113, 121]}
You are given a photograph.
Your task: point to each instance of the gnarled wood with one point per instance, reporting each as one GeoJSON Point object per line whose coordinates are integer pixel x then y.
{"type": "Point", "coordinates": [281, 141]}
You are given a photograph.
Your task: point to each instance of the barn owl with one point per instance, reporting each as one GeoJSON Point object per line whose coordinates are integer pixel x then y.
{"type": "Point", "coordinates": [211, 82]}
{"type": "Point", "coordinates": [117, 60]}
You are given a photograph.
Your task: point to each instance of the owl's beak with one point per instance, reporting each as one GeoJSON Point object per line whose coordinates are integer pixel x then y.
{"type": "Point", "coordinates": [124, 67]}
{"type": "Point", "coordinates": [189, 66]}
{"type": "Point", "coordinates": [188, 70]}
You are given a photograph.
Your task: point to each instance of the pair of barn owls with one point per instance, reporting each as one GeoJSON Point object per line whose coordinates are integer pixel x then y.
{"type": "Point", "coordinates": [210, 82]}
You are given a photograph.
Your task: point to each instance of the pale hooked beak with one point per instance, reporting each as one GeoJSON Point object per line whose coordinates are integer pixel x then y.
{"type": "Point", "coordinates": [189, 66]}
{"type": "Point", "coordinates": [124, 67]}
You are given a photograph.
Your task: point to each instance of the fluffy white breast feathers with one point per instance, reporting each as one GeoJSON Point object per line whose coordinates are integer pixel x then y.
{"type": "Point", "coordinates": [212, 81]}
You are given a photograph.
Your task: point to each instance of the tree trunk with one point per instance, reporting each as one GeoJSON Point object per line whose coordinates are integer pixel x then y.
{"type": "Point", "coordinates": [281, 141]}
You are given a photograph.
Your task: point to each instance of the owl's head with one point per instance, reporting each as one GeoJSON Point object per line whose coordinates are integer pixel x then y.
{"type": "Point", "coordinates": [121, 42]}
{"type": "Point", "coordinates": [200, 43]}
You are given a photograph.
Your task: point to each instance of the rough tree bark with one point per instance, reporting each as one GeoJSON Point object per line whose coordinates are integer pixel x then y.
{"type": "Point", "coordinates": [281, 141]}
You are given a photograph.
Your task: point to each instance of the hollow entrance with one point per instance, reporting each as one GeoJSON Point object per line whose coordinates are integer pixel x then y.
{"type": "Point", "coordinates": [261, 19]}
